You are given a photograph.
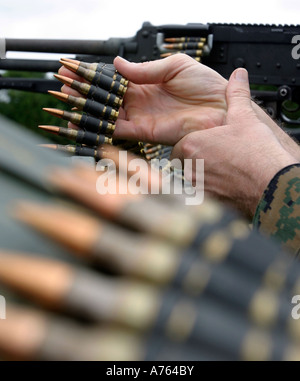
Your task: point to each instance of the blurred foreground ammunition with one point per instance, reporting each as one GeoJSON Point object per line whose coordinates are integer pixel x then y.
{"type": "Point", "coordinates": [31, 334]}
{"type": "Point", "coordinates": [75, 150]}
{"type": "Point", "coordinates": [80, 136]}
{"type": "Point", "coordinates": [160, 262]}
{"type": "Point", "coordinates": [198, 322]}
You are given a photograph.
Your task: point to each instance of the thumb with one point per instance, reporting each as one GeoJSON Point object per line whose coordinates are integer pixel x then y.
{"type": "Point", "coordinates": [238, 92]}
{"type": "Point", "coordinates": [152, 72]}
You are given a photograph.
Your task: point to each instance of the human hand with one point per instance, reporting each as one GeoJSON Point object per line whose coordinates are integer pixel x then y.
{"type": "Point", "coordinates": [170, 98]}
{"type": "Point", "coordinates": [166, 99]}
{"type": "Point", "coordinates": [241, 156]}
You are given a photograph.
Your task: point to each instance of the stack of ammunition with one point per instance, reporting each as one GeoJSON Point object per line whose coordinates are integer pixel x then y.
{"type": "Point", "coordinates": [103, 90]}
{"type": "Point", "coordinates": [158, 151]}
{"type": "Point", "coordinates": [192, 46]}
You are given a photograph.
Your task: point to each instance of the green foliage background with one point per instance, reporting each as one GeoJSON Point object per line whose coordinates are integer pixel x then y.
{"type": "Point", "coordinates": [25, 108]}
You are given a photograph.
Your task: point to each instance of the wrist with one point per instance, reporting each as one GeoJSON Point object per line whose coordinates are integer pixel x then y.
{"type": "Point", "coordinates": [274, 166]}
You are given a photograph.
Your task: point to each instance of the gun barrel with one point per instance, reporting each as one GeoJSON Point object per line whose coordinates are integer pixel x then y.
{"type": "Point", "coordinates": [109, 47]}
{"type": "Point", "coordinates": [29, 65]}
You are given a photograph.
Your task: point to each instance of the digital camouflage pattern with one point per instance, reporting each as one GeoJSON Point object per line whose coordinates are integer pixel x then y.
{"type": "Point", "coordinates": [278, 212]}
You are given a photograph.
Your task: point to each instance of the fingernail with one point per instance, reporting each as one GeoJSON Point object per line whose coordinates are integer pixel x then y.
{"type": "Point", "coordinates": [121, 58]}
{"type": "Point", "coordinates": [241, 75]}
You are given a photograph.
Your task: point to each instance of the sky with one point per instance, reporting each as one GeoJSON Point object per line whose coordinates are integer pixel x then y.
{"type": "Point", "coordinates": [101, 19]}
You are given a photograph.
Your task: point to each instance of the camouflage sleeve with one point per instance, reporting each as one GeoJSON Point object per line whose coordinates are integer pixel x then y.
{"type": "Point", "coordinates": [278, 212]}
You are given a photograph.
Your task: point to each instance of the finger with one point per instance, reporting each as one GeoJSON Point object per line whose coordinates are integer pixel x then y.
{"type": "Point", "coordinates": [68, 90]}
{"type": "Point", "coordinates": [186, 146]}
{"type": "Point", "coordinates": [129, 130]}
{"type": "Point", "coordinates": [122, 113]}
{"type": "Point", "coordinates": [238, 92]}
{"type": "Point", "coordinates": [73, 126]}
{"type": "Point", "coordinates": [158, 71]}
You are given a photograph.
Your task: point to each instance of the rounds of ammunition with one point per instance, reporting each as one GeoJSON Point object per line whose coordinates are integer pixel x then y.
{"type": "Point", "coordinates": [99, 79]}
{"type": "Point", "coordinates": [92, 66]}
{"type": "Point", "coordinates": [76, 150]}
{"type": "Point", "coordinates": [96, 93]}
{"type": "Point", "coordinates": [84, 121]}
{"type": "Point", "coordinates": [94, 76]}
{"type": "Point", "coordinates": [89, 106]}
{"type": "Point", "coordinates": [185, 46]}
{"type": "Point", "coordinates": [80, 136]}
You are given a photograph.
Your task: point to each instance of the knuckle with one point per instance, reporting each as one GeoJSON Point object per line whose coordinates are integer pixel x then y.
{"type": "Point", "coordinates": [188, 146]}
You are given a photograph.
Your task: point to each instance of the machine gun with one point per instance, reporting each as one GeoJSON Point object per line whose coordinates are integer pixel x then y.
{"type": "Point", "coordinates": [264, 50]}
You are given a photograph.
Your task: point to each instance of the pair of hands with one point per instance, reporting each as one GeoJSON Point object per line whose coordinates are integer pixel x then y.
{"type": "Point", "coordinates": [179, 102]}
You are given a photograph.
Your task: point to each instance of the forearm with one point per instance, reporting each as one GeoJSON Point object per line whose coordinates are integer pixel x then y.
{"type": "Point", "coordinates": [278, 212]}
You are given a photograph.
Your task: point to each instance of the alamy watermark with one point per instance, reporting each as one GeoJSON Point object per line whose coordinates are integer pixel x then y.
{"type": "Point", "coordinates": [2, 308]}
{"type": "Point", "coordinates": [155, 182]}
{"type": "Point", "coordinates": [296, 308]}
{"type": "Point", "coordinates": [296, 48]}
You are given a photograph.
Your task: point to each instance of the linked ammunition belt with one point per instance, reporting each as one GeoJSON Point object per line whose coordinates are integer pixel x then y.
{"type": "Point", "coordinates": [103, 90]}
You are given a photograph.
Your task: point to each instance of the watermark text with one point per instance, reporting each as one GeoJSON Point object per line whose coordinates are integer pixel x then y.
{"type": "Point", "coordinates": [138, 177]}
{"type": "Point", "coordinates": [2, 308]}
{"type": "Point", "coordinates": [296, 48]}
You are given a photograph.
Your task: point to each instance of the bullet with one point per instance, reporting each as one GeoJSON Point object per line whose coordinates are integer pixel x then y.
{"type": "Point", "coordinates": [159, 153]}
{"type": "Point", "coordinates": [143, 213]}
{"type": "Point", "coordinates": [84, 121]}
{"type": "Point", "coordinates": [89, 106]}
{"type": "Point", "coordinates": [92, 66]}
{"type": "Point", "coordinates": [31, 334]}
{"type": "Point", "coordinates": [92, 92]}
{"type": "Point", "coordinates": [185, 39]}
{"type": "Point", "coordinates": [98, 79]}
{"type": "Point", "coordinates": [185, 46]}
{"type": "Point", "coordinates": [99, 241]}
{"type": "Point", "coordinates": [192, 53]}
{"type": "Point", "coordinates": [149, 148]}
{"type": "Point", "coordinates": [94, 76]}
{"type": "Point", "coordinates": [216, 234]}
{"type": "Point", "coordinates": [157, 261]}
{"type": "Point", "coordinates": [140, 307]}
{"type": "Point", "coordinates": [75, 150]}
{"type": "Point", "coordinates": [81, 291]}
{"type": "Point", "coordinates": [164, 55]}
{"type": "Point", "coordinates": [80, 136]}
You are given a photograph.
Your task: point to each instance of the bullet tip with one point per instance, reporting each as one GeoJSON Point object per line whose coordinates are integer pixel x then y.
{"type": "Point", "coordinates": [59, 95]}
{"type": "Point", "coordinates": [54, 111]}
{"type": "Point", "coordinates": [69, 65]}
{"type": "Point", "coordinates": [53, 129]}
{"type": "Point", "coordinates": [51, 146]}
{"type": "Point", "coordinates": [67, 81]}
